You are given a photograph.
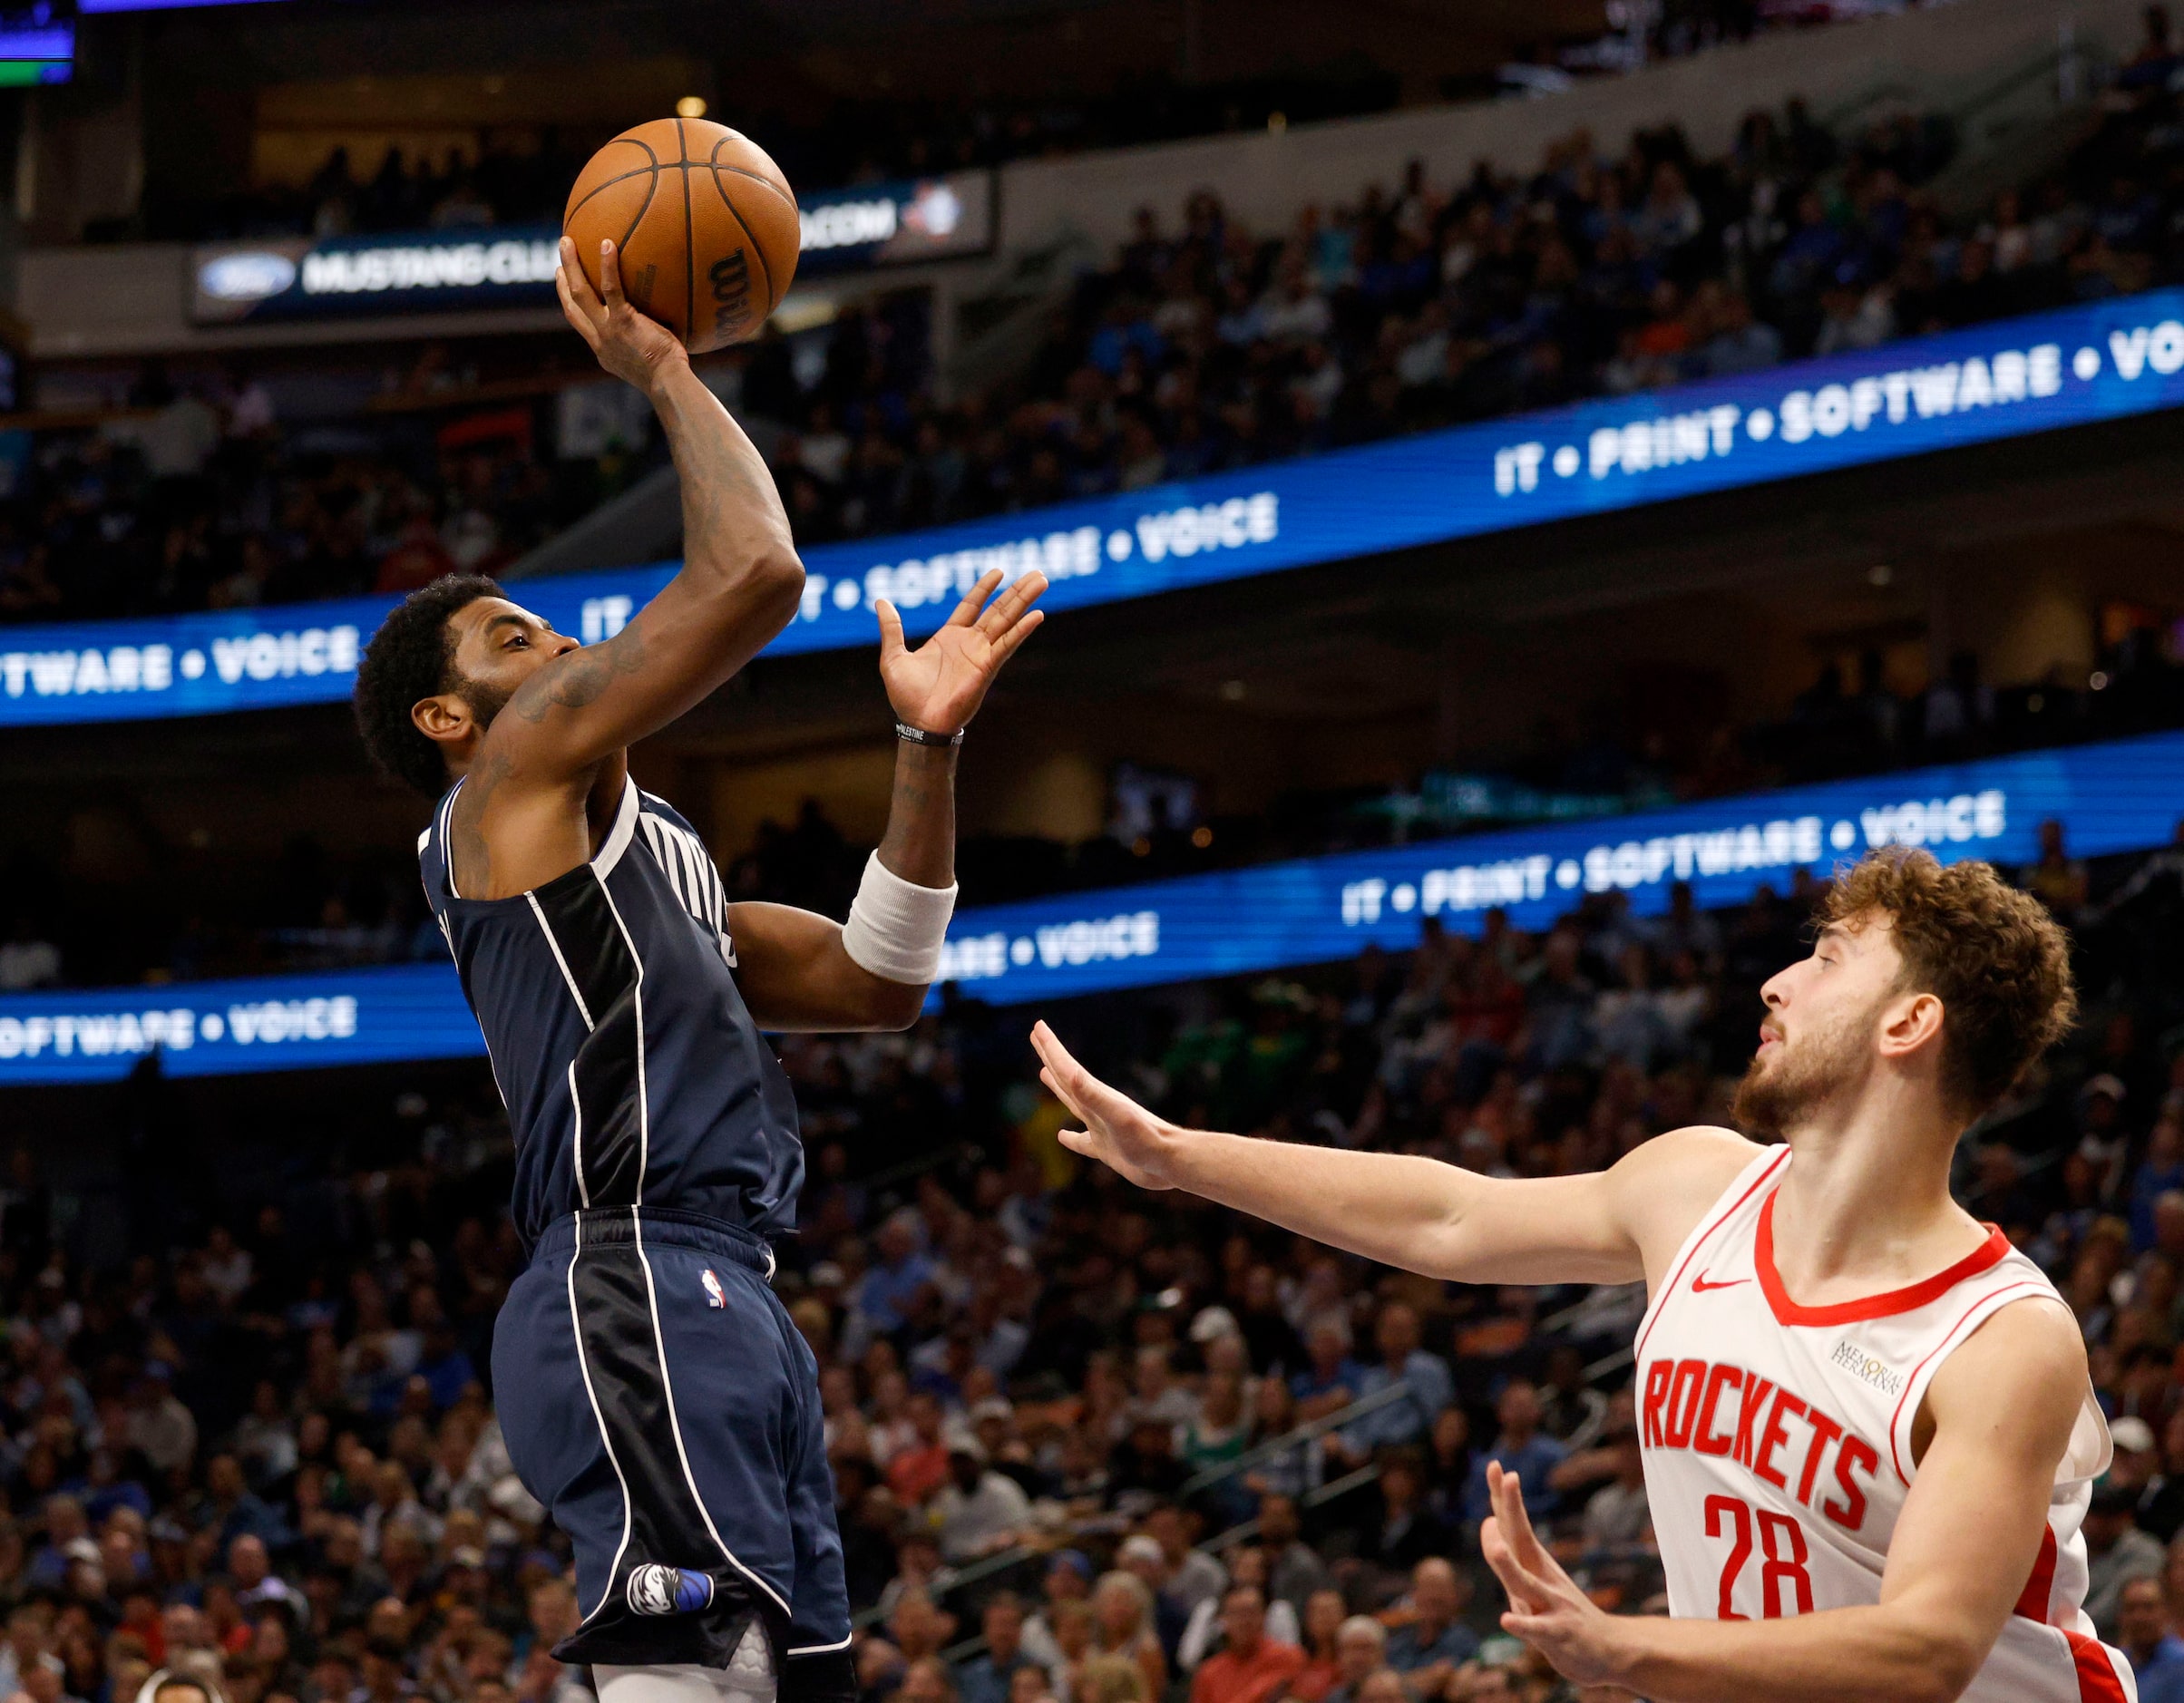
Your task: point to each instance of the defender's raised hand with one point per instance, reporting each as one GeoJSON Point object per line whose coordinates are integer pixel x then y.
{"type": "Point", "coordinates": [939, 685]}
{"type": "Point", "coordinates": [1546, 1609]}
{"type": "Point", "coordinates": [1118, 1132]}
{"type": "Point", "coordinates": [629, 345]}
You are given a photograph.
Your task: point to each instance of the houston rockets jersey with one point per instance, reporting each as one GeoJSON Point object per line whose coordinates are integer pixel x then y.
{"type": "Point", "coordinates": [1776, 1441]}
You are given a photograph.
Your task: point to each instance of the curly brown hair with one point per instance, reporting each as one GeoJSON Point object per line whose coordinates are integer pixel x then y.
{"type": "Point", "coordinates": [1994, 957]}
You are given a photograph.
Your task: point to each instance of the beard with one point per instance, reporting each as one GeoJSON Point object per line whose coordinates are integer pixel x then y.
{"type": "Point", "coordinates": [485, 701]}
{"type": "Point", "coordinates": [1781, 1091]}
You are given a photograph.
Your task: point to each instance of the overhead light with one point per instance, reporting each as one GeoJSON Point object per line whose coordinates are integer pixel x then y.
{"type": "Point", "coordinates": [1232, 691]}
{"type": "Point", "coordinates": [1879, 574]}
{"type": "Point", "coordinates": [1202, 836]}
{"type": "Point", "coordinates": [690, 106]}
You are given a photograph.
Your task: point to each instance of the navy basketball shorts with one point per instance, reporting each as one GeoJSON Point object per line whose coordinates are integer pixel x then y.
{"type": "Point", "coordinates": [657, 1398]}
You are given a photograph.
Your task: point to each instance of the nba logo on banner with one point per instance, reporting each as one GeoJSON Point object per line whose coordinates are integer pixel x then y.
{"type": "Point", "coordinates": [714, 1295]}
{"type": "Point", "coordinates": [655, 1589]}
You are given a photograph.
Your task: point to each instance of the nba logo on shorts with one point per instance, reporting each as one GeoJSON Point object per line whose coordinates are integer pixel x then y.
{"type": "Point", "coordinates": [714, 1295]}
{"type": "Point", "coordinates": [655, 1589]}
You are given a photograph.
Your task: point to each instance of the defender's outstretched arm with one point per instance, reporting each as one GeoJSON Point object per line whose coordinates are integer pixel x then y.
{"type": "Point", "coordinates": [1410, 1211]}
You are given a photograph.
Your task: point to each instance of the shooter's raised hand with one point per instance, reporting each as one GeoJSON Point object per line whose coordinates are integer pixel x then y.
{"type": "Point", "coordinates": [629, 345]}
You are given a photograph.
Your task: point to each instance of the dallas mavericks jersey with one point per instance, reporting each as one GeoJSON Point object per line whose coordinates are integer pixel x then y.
{"type": "Point", "coordinates": [631, 1069]}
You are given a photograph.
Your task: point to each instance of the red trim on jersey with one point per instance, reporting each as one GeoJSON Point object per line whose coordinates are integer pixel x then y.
{"type": "Point", "coordinates": [2033, 1600]}
{"type": "Point", "coordinates": [1699, 1242]}
{"type": "Point", "coordinates": [2097, 1681]}
{"type": "Point", "coordinates": [1988, 1254]}
{"type": "Point", "coordinates": [1894, 1418]}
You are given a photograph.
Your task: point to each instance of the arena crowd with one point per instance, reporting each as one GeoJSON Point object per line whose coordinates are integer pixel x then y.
{"type": "Point", "coordinates": [1202, 344]}
{"type": "Point", "coordinates": [259, 1444]}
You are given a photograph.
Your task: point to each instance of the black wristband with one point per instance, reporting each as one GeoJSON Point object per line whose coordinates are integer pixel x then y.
{"type": "Point", "coordinates": [920, 736]}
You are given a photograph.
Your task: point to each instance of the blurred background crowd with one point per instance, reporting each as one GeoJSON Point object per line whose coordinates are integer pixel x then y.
{"type": "Point", "coordinates": [1087, 1443]}
{"type": "Point", "coordinates": [1202, 344]}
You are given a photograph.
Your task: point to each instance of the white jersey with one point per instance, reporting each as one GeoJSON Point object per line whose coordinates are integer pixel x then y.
{"type": "Point", "coordinates": [1777, 1441]}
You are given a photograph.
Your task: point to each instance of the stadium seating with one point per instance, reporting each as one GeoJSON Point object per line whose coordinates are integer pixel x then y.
{"type": "Point", "coordinates": [267, 1447]}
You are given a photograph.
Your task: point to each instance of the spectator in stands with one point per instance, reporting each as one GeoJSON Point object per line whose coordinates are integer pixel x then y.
{"type": "Point", "coordinates": [1427, 1386]}
{"type": "Point", "coordinates": [1360, 1651]}
{"type": "Point", "coordinates": [1141, 1554]}
{"type": "Point", "coordinates": [919, 1468]}
{"type": "Point", "coordinates": [1330, 1379]}
{"type": "Point", "coordinates": [987, 1677]}
{"type": "Point", "coordinates": [978, 1512]}
{"type": "Point", "coordinates": [2057, 880]}
{"type": "Point", "coordinates": [1111, 1679]}
{"type": "Point", "coordinates": [2117, 1552]}
{"type": "Point", "coordinates": [1295, 1572]}
{"type": "Point", "coordinates": [1249, 1668]}
{"type": "Point", "coordinates": [2144, 1632]}
{"type": "Point", "coordinates": [1520, 1447]}
{"type": "Point", "coordinates": [1403, 1529]}
{"type": "Point", "coordinates": [1122, 1626]}
{"type": "Point", "coordinates": [1429, 1647]}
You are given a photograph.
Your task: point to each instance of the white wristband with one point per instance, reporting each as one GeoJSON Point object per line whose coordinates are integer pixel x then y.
{"type": "Point", "coordinates": [895, 927]}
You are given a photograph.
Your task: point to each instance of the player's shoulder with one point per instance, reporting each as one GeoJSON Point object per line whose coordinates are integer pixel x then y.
{"type": "Point", "coordinates": [2020, 1373]}
{"type": "Point", "coordinates": [1702, 1157]}
{"type": "Point", "coordinates": [2034, 1338]}
{"type": "Point", "coordinates": [1664, 1186]}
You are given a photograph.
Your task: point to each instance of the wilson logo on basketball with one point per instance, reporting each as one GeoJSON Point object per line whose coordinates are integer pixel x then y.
{"type": "Point", "coordinates": [731, 279]}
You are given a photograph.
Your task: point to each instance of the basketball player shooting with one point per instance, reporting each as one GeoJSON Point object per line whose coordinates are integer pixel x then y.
{"type": "Point", "coordinates": [1868, 1429]}
{"type": "Point", "coordinates": [653, 1392]}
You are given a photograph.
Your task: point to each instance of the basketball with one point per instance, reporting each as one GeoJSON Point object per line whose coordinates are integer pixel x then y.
{"type": "Point", "coordinates": [704, 222]}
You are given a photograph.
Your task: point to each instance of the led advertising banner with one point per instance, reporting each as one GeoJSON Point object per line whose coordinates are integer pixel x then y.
{"type": "Point", "coordinates": [2118, 797]}
{"type": "Point", "coordinates": [306, 277]}
{"type": "Point", "coordinates": [897, 224]}
{"type": "Point", "coordinates": [434, 271]}
{"type": "Point", "coordinates": [219, 1028]}
{"type": "Point", "coordinates": [2016, 377]}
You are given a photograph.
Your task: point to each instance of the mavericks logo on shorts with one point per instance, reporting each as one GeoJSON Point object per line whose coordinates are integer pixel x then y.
{"type": "Point", "coordinates": [655, 1589]}
{"type": "Point", "coordinates": [714, 1295]}
{"type": "Point", "coordinates": [1863, 1365]}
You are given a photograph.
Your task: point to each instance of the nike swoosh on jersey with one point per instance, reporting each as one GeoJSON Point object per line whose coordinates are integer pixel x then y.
{"type": "Point", "coordinates": [1699, 1285]}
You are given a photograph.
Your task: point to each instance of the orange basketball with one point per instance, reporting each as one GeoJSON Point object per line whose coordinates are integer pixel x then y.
{"type": "Point", "coordinates": [704, 222]}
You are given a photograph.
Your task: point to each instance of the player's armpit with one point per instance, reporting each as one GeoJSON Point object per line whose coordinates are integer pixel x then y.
{"type": "Point", "coordinates": [795, 976]}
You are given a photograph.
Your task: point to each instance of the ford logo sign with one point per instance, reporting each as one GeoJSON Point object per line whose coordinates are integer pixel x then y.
{"type": "Point", "coordinates": [245, 277]}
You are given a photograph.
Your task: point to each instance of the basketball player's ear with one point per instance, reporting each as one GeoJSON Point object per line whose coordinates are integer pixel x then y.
{"type": "Point", "coordinates": [443, 718]}
{"type": "Point", "coordinates": [1910, 1023]}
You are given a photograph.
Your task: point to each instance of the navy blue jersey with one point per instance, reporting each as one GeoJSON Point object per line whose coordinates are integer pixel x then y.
{"type": "Point", "coordinates": [631, 1070]}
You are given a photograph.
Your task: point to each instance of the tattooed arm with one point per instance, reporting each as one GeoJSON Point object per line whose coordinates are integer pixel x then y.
{"type": "Point", "coordinates": [740, 578]}
{"type": "Point", "coordinates": [791, 964]}
{"type": "Point", "coordinates": [544, 779]}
